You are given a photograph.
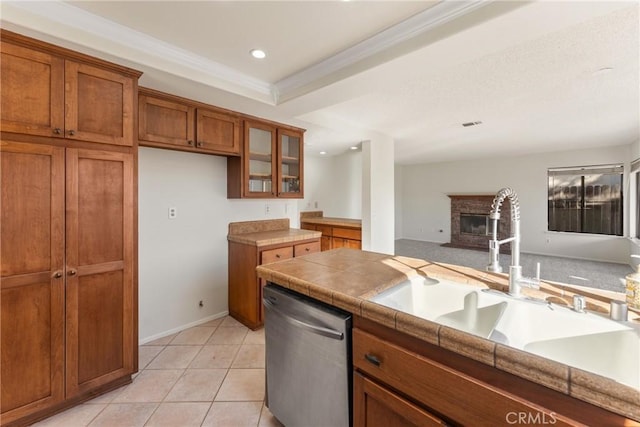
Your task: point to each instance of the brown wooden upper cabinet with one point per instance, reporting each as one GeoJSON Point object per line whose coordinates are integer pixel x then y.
{"type": "Point", "coordinates": [44, 94]}
{"type": "Point", "coordinates": [271, 164]}
{"type": "Point", "coordinates": [290, 163]}
{"type": "Point", "coordinates": [168, 121]}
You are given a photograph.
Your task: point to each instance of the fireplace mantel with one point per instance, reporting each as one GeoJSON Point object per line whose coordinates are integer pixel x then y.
{"type": "Point", "coordinates": [479, 204]}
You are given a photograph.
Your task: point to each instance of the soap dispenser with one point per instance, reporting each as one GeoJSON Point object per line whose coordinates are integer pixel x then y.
{"type": "Point", "coordinates": [633, 287]}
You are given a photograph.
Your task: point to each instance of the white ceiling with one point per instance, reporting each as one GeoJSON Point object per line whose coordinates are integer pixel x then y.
{"type": "Point", "coordinates": [414, 71]}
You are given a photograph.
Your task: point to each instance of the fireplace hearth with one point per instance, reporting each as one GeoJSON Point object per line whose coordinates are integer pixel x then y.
{"type": "Point", "coordinates": [470, 221]}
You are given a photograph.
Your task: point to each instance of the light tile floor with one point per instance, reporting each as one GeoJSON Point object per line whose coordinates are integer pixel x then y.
{"type": "Point", "coordinates": [209, 375]}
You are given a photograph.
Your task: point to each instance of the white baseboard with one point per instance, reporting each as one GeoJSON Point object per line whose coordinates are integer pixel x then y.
{"type": "Point", "coordinates": [172, 331]}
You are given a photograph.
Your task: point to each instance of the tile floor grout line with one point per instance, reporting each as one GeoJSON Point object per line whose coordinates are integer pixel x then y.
{"type": "Point", "coordinates": [247, 352]}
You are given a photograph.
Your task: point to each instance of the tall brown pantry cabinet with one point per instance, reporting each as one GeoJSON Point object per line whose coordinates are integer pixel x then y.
{"type": "Point", "coordinates": [67, 228]}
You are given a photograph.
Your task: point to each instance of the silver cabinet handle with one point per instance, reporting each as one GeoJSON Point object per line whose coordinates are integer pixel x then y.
{"type": "Point", "coordinates": [326, 332]}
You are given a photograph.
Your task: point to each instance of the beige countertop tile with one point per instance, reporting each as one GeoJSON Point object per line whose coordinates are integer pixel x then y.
{"type": "Point", "coordinates": [274, 237]}
{"type": "Point", "coordinates": [347, 278]}
{"type": "Point", "coordinates": [336, 222]}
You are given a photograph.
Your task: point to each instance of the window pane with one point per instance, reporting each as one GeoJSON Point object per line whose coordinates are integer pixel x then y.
{"type": "Point", "coordinates": [565, 199]}
{"type": "Point", "coordinates": [589, 201]}
{"type": "Point", "coordinates": [638, 205]}
{"type": "Point", "coordinates": [603, 204]}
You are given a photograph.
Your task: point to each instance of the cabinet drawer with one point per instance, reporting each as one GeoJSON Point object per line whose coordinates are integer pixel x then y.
{"type": "Point", "coordinates": [436, 386]}
{"type": "Point", "coordinates": [306, 248]}
{"type": "Point", "coordinates": [347, 233]}
{"type": "Point", "coordinates": [273, 255]}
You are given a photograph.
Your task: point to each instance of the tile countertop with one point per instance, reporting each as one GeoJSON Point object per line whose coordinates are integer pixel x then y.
{"type": "Point", "coordinates": [268, 232]}
{"type": "Point", "coordinates": [347, 278]}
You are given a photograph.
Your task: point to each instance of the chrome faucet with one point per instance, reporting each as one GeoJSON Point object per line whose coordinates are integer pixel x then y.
{"type": "Point", "coordinates": [516, 280]}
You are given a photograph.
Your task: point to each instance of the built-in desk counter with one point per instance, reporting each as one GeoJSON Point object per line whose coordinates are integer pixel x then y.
{"type": "Point", "coordinates": [253, 243]}
{"type": "Point", "coordinates": [336, 232]}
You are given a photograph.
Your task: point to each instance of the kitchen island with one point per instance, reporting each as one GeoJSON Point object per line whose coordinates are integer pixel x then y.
{"type": "Point", "coordinates": [416, 369]}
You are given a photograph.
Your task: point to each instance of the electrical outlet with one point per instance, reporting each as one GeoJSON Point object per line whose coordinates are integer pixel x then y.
{"type": "Point", "coordinates": [267, 209]}
{"type": "Point", "coordinates": [173, 213]}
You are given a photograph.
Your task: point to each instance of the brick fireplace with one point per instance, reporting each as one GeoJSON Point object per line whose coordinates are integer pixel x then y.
{"type": "Point", "coordinates": [469, 221]}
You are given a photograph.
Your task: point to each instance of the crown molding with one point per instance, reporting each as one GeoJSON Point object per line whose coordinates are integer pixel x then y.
{"type": "Point", "coordinates": [121, 39]}
{"type": "Point", "coordinates": [415, 26]}
{"type": "Point", "coordinates": [67, 22]}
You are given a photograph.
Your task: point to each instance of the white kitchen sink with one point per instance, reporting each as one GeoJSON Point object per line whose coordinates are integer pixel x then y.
{"type": "Point", "coordinates": [586, 341]}
{"type": "Point", "coordinates": [615, 355]}
{"type": "Point", "coordinates": [524, 322]}
{"type": "Point", "coordinates": [457, 305]}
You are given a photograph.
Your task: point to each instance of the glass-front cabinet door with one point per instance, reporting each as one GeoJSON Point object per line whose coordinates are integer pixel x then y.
{"type": "Point", "coordinates": [290, 163]}
{"type": "Point", "coordinates": [260, 159]}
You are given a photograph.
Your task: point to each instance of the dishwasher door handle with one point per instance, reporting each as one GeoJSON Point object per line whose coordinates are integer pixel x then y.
{"type": "Point", "coordinates": [326, 332]}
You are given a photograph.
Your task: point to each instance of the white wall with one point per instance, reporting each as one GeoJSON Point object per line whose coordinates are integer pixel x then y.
{"type": "Point", "coordinates": [635, 150]}
{"type": "Point", "coordinates": [184, 260]}
{"type": "Point", "coordinates": [398, 198]}
{"type": "Point", "coordinates": [378, 210]}
{"type": "Point", "coordinates": [634, 244]}
{"type": "Point", "coordinates": [425, 206]}
{"type": "Point", "coordinates": [333, 185]}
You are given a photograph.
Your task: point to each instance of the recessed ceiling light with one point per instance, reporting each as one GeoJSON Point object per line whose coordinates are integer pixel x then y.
{"type": "Point", "coordinates": [323, 152]}
{"type": "Point", "coordinates": [603, 70]}
{"type": "Point", "coordinates": [353, 148]}
{"type": "Point", "coordinates": [258, 53]}
{"type": "Point", "coordinates": [472, 124]}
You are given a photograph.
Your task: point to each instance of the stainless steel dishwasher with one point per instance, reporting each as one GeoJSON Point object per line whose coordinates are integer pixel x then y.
{"type": "Point", "coordinates": [308, 360]}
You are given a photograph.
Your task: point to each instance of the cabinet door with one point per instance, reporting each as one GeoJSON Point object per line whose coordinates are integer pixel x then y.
{"type": "Point", "coordinates": [325, 243]}
{"type": "Point", "coordinates": [99, 253]}
{"type": "Point", "coordinates": [259, 159]}
{"type": "Point", "coordinates": [217, 132]}
{"type": "Point", "coordinates": [338, 242]}
{"type": "Point", "coordinates": [32, 284]}
{"type": "Point", "coordinates": [166, 122]}
{"type": "Point", "coordinates": [32, 92]}
{"type": "Point", "coordinates": [374, 405]}
{"type": "Point", "coordinates": [99, 105]}
{"type": "Point", "coordinates": [290, 160]}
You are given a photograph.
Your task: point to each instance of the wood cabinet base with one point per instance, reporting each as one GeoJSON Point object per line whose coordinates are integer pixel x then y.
{"type": "Point", "coordinates": [400, 372]}
{"type": "Point", "coordinates": [376, 406]}
{"type": "Point", "coordinates": [245, 289]}
{"type": "Point", "coordinates": [50, 411]}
